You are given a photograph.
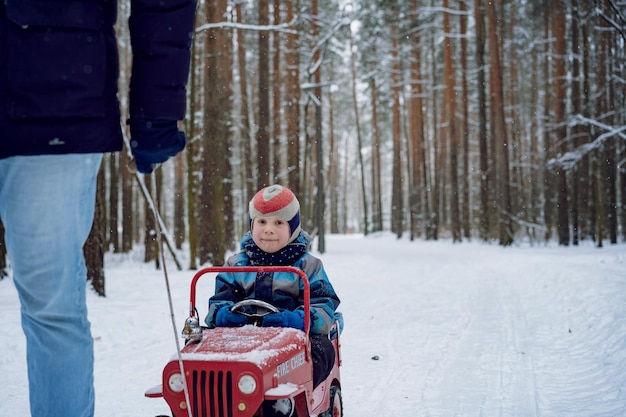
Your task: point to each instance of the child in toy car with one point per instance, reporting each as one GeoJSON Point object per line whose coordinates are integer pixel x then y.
{"type": "Point", "coordinates": [276, 238]}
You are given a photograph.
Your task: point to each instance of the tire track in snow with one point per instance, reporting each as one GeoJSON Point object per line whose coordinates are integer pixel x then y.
{"type": "Point", "coordinates": [486, 370]}
{"type": "Point", "coordinates": [522, 389]}
{"type": "Point", "coordinates": [578, 343]}
{"type": "Point", "coordinates": [472, 372]}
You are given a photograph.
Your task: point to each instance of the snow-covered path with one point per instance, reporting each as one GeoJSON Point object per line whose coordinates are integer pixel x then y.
{"type": "Point", "coordinates": [431, 329]}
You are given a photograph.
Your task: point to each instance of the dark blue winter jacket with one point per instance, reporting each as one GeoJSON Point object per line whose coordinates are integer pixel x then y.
{"type": "Point", "coordinates": [281, 289]}
{"type": "Point", "coordinates": [59, 72]}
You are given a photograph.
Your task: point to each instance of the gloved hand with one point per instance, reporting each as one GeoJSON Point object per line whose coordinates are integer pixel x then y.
{"type": "Point", "coordinates": [226, 318]}
{"type": "Point", "coordinates": [153, 141]}
{"type": "Point", "coordinates": [294, 319]}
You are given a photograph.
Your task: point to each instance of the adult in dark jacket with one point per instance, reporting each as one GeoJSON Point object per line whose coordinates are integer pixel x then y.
{"type": "Point", "coordinates": [59, 112]}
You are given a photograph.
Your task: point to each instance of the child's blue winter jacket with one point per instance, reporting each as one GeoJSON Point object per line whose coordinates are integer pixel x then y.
{"type": "Point", "coordinates": [282, 289]}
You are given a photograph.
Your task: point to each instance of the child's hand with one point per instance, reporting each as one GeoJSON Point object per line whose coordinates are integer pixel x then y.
{"type": "Point", "coordinates": [294, 319]}
{"type": "Point", "coordinates": [226, 318]}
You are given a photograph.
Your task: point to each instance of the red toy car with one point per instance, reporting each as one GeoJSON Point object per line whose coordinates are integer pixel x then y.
{"type": "Point", "coordinates": [231, 372]}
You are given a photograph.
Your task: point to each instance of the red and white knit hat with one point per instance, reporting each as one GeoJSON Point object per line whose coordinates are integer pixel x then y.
{"type": "Point", "coordinates": [277, 201]}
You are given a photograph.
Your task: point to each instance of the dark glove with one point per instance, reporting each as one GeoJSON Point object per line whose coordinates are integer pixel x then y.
{"type": "Point", "coordinates": [153, 141]}
{"type": "Point", "coordinates": [294, 319]}
{"type": "Point", "coordinates": [226, 318]}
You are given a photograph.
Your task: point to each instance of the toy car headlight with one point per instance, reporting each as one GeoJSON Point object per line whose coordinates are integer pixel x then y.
{"type": "Point", "coordinates": [247, 384]}
{"type": "Point", "coordinates": [176, 382]}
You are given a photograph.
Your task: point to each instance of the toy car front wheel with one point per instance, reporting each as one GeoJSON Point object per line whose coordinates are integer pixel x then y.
{"type": "Point", "coordinates": [336, 403]}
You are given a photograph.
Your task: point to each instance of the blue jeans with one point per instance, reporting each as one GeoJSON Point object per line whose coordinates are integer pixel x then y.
{"type": "Point", "coordinates": [47, 207]}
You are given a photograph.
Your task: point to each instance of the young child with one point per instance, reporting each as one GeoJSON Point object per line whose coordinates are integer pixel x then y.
{"type": "Point", "coordinates": [275, 238]}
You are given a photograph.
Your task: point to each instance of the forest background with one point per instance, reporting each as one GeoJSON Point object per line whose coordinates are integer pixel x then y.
{"type": "Point", "coordinates": [499, 120]}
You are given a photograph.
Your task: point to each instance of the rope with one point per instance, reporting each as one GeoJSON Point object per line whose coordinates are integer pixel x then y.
{"type": "Point", "coordinates": [171, 305]}
{"type": "Point", "coordinates": [159, 234]}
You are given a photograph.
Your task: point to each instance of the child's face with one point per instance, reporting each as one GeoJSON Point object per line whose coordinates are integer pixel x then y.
{"type": "Point", "coordinates": [270, 234]}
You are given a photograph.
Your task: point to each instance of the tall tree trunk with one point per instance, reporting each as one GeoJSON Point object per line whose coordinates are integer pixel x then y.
{"type": "Point", "coordinates": [548, 178]}
{"type": "Point", "coordinates": [441, 163]}
{"type": "Point", "coordinates": [577, 130]}
{"type": "Point", "coordinates": [597, 193]}
{"type": "Point", "coordinates": [534, 194]}
{"type": "Point", "coordinates": [434, 153]}
{"type": "Point", "coordinates": [499, 130]}
{"type": "Point", "coordinates": [514, 117]}
{"type": "Point", "coordinates": [587, 221]}
{"type": "Point", "coordinates": [560, 92]}
{"type": "Point", "coordinates": [178, 230]}
{"type": "Point", "coordinates": [193, 188]}
{"type": "Point", "coordinates": [417, 189]}
{"type": "Point", "coordinates": [244, 113]}
{"type": "Point", "coordinates": [397, 209]}
{"type": "Point", "coordinates": [608, 47]}
{"type": "Point", "coordinates": [319, 153]}
{"type": "Point", "coordinates": [377, 204]}
{"type": "Point", "coordinates": [277, 174]}
{"type": "Point", "coordinates": [465, 134]}
{"type": "Point", "coordinates": [292, 97]}
{"type": "Point", "coordinates": [218, 67]}
{"type": "Point", "coordinates": [333, 168]}
{"type": "Point", "coordinates": [450, 102]}
{"type": "Point", "coordinates": [357, 122]}
{"type": "Point", "coordinates": [484, 221]}
{"type": "Point", "coordinates": [262, 134]}
{"type": "Point", "coordinates": [193, 147]}
{"type": "Point", "coordinates": [601, 110]}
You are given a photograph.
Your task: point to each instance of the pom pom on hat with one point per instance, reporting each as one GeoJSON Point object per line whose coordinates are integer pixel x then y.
{"type": "Point", "coordinates": [277, 201]}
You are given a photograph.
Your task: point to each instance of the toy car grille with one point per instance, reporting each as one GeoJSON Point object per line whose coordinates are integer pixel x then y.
{"type": "Point", "coordinates": [212, 394]}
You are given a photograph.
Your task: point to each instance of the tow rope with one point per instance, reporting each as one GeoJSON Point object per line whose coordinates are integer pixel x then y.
{"type": "Point", "coordinates": [171, 306]}
{"type": "Point", "coordinates": [159, 236]}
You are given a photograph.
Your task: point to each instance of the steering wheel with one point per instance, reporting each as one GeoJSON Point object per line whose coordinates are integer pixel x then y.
{"type": "Point", "coordinates": [263, 308]}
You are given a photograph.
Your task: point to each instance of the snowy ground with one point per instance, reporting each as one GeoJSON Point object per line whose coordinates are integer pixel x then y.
{"type": "Point", "coordinates": [431, 329]}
